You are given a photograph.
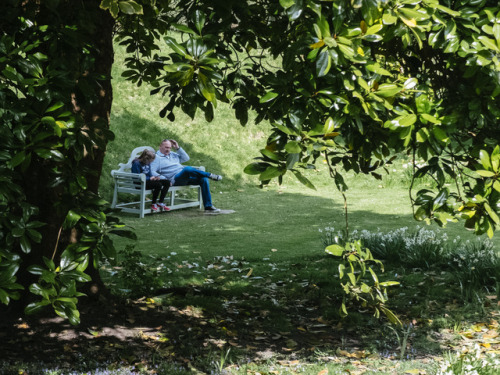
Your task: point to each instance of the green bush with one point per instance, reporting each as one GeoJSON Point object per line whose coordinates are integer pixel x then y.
{"type": "Point", "coordinates": [135, 278]}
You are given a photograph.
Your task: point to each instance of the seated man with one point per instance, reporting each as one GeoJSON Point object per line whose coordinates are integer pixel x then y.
{"type": "Point", "coordinates": [167, 165]}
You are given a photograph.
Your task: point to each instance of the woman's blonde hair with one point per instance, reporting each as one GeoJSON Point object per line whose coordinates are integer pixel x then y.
{"type": "Point", "coordinates": [146, 155]}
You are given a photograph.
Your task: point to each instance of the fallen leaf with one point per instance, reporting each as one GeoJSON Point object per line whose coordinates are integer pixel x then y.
{"type": "Point", "coordinates": [290, 344]}
{"type": "Point", "coordinates": [359, 354]}
{"type": "Point", "coordinates": [342, 352]}
{"type": "Point", "coordinates": [478, 327]}
{"type": "Point", "coordinates": [323, 372]}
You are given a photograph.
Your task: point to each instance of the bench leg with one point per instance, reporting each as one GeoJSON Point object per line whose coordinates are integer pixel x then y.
{"type": "Point", "coordinates": [142, 205]}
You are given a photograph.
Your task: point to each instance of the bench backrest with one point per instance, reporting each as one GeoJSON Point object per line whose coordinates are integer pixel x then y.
{"type": "Point", "coordinates": [136, 152]}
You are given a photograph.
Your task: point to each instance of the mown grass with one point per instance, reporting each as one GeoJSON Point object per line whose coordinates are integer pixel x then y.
{"type": "Point", "coordinates": [267, 259]}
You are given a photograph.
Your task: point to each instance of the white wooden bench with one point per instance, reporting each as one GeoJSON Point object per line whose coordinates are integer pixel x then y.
{"type": "Point", "coordinates": [135, 184]}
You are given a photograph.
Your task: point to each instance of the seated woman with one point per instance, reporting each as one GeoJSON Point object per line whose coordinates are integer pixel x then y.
{"type": "Point", "coordinates": [159, 187]}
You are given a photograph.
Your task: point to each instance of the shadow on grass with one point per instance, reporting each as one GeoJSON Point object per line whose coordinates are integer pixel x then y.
{"type": "Point", "coordinates": [256, 282]}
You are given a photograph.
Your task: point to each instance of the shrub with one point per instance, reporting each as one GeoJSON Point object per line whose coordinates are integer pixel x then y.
{"type": "Point", "coordinates": [135, 277]}
{"type": "Point", "coordinates": [476, 265]}
{"type": "Point", "coordinates": [470, 362]}
{"type": "Point", "coordinates": [421, 248]}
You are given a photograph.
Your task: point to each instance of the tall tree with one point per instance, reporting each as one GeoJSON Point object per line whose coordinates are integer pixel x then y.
{"type": "Point", "coordinates": [56, 59]}
{"type": "Point", "coordinates": [350, 81]}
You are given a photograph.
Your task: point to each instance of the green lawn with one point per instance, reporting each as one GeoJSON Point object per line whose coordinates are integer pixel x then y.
{"type": "Point", "coordinates": [254, 292]}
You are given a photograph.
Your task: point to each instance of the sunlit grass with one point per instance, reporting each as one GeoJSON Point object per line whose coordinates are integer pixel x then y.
{"type": "Point", "coordinates": [270, 252]}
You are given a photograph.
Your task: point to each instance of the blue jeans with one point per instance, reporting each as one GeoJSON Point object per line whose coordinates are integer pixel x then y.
{"type": "Point", "coordinates": [193, 176]}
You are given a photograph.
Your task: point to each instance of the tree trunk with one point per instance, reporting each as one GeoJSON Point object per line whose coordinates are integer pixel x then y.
{"type": "Point", "coordinates": [87, 56]}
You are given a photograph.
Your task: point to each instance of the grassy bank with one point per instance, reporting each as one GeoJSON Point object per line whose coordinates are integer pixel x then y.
{"type": "Point", "coordinates": [254, 292]}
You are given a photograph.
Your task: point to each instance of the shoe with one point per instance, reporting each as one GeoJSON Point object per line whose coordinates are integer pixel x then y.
{"type": "Point", "coordinates": [215, 177]}
{"type": "Point", "coordinates": [212, 210]}
{"type": "Point", "coordinates": [155, 208]}
{"type": "Point", "coordinates": [163, 207]}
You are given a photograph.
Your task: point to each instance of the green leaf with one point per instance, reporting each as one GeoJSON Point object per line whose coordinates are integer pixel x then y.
{"type": "Point", "coordinates": [330, 42]}
{"type": "Point", "coordinates": [343, 310]}
{"type": "Point", "coordinates": [17, 232]}
{"type": "Point", "coordinates": [324, 63]}
{"type": "Point", "coordinates": [347, 51]}
{"type": "Point", "coordinates": [440, 134]}
{"type": "Point", "coordinates": [374, 275]}
{"type": "Point", "coordinates": [303, 180]}
{"type": "Point", "coordinates": [293, 147]}
{"type": "Point", "coordinates": [410, 83]}
{"type": "Point", "coordinates": [207, 88]}
{"type": "Point", "coordinates": [444, 9]}
{"type": "Point", "coordinates": [329, 126]}
{"type": "Point", "coordinates": [495, 158]}
{"type": "Point", "coordinates": [484, 173]}
{"type": "Point", "coordinates": [492, 214]}
{"type": "Point", "coordinates": [388, 90]}
{"type": "Point", "coordinates": [36, 289]}
{"type": "Point", "coordinates": [341, 270]}
{"type": "Point", "coordinates": [254, 168]}
{"type": "Point", "coordinates": [365, 288]}
{"type": "Point", "coordinates": [184, 28]}
{"type": "Point", "coordinates": [25, 244]}
{"type": "Point", "coordinates": [269, 154]}
{"type": "Point", "coordinates": [18, 159]}
{"type": "Point", "coordinates": [270, 95]}
{"type": "Point", "coordinates": [324, 27]}
{"type": "Point", "coordinates": [376, 68]}
{"type": "Point", "coordinates": [496, 32]}
{"type": "Point", "coordinates": [199, 20]}
{"type": "Point", "coordinates": [422, 135]}
{"type": "Point", "coordinates": [430, 118]}
{"type": "Point", "coordinates": [36, 269]}
{"type": "Point", "coordinates": [391, 316]}
{"type": "Point", "coordinates": [496, 186]}
{"type": "Point", "coordinates": [401, 121]}
{"type": "Point", "coordinates": [286, 130]}
{"type": "Point", "coordinates": [126, 8]}
{"type": "Point", "coordinates": [485, 159]}
{"type": "Point", "coordinates": [335, 250]}
{"type": "Point", "coordinates": [295, 11]}
{"type": "Point", "coordinates": [389, 18]}
{"type": "Point", "coordinates": [270, 173]}
{"type": "Point", "coordinates": [35, 307]}
{"type": "Point", "coordinates": [176, 47]}
{"type": "Point", "coordinates": [386, 284]}
{"type": "Point", "coordinates": [287, 3]}
{"type": "Point", "coordinates": [488, 43]}
{"type": "Point", "coordinates": [421, 214]}
{"type": "Point", "coordinates": [105, 4]}
{"type": "Point", "coordinates": [71, 219]}
{"type": "Point", "coordinates": [291, 160]}
{"type": "Point", "coordinates": [54, 107]}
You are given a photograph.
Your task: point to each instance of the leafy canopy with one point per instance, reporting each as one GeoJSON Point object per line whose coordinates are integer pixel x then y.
{"type": "Point", "coordinates": [352, 82]}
